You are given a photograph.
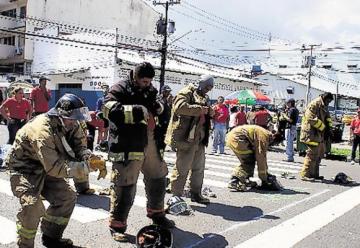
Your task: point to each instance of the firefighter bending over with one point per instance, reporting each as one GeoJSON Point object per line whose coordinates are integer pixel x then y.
{"type": "Point", "coordinates": [46, 150]}
{"type": "Point", "coordinates": [250, 144]}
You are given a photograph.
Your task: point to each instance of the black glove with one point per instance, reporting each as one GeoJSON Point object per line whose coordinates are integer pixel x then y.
{"type": "Point", "coordinates": [139, 113]}
{"type": "Point", "coordinates": [116, 114]}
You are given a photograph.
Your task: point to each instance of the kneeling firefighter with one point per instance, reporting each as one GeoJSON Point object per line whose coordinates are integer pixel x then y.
{"type": "Point", "coordinates": [48, 149]}
{"type": "Point", "coordinates": [250, 144]}
{"type": "Point", "coordinates": [135, 145]}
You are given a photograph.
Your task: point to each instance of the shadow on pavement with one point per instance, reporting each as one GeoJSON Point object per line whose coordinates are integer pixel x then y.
{"type": "Point", "coordinates": [281, 192]}
{"type": "Point", "coordinates": [94, 201]}
{"type": "Point", "coordinates": [228, 212]}
{"type": "Point", "coordinates": [209, 240]}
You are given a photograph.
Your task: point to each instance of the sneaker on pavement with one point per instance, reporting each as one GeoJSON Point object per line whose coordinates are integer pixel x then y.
{"type": "Point", "coordinates": [120, 237]}
{"type": "Point", "coordinates": [288, 160]}
{"type": "Point", "coordinates": [308, 179]}
{"type": "Point", "coordinates": [352, 162]}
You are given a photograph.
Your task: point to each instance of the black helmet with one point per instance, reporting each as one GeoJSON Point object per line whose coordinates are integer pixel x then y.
{"type": "Point", "coordinates": [154, 236]}
{"type": "Point", "coordinates": [70, 106]}
{"type": "Point", "coordinates": [342, 178]}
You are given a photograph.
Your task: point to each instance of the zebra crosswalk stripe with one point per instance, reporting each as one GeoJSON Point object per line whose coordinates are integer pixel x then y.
{"type": "Point", "coordinates": [8, 231]}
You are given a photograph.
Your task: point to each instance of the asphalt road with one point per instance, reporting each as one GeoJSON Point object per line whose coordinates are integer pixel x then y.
{"type": "Point", "coordinates": [304, 214]}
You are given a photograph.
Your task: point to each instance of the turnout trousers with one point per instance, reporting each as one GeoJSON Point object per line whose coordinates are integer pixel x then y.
{"type": "Point", "coordinates": [123, 190]}
{"type": "Point", "coordinates": [190, 159]}
{"type": "Point", "coordinates": [245, 152]}
{"type": "Point", "coordinates": [29, 189]}
{"type": "Point", "coordinates": [312, 160]}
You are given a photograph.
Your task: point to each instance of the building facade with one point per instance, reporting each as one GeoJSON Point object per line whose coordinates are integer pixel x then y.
{"type": "Point", "coordinates": [134, 18]}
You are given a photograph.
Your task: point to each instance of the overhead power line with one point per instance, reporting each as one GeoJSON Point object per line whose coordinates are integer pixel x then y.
{"type": "Point", "coordinates": [237, 26]}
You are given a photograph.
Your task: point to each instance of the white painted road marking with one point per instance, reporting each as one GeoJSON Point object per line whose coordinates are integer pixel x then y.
{"type": "Point", "coordinates": [8, 231]}
{"type": "Point", "coordinates": [236, 226]}
{"type": "Point", "coordinates": [292, 231]}
{"type": "Point", "coordinates": [81, 213]}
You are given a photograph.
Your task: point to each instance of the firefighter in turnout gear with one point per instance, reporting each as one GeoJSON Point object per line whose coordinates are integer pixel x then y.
{"type": "Point", "coordinates": [48, 149]}
{"type": "Point", "coordinates": [134, 145]}
{"type": "Point", "coordinates": [315, 127]}
{"type": "Point", "coordinates": [188, 134]}
{"type": "Point", "coordinates": [250, 144]}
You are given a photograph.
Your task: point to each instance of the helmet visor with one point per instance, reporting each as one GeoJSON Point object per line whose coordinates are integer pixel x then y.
{"type": "Point", "coordinates": [80, 114]}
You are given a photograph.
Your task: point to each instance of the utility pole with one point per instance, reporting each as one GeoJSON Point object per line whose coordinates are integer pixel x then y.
{"type": "Point", "coordinates": [116, 60]}
{"type": "Point", "coordinates": [309, 62]}
{"type": "Point", "coordinates": [163, 49]}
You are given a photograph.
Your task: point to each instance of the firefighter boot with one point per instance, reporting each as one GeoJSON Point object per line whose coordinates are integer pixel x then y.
{"type": "Point", "coordinates": [161, 220]}
{"type": "Point", "coordinates": [197, 197]}
{"type": "Point", "coordinates": [58, 243]}
{"type": "Point", "coordinates": [236, 184]}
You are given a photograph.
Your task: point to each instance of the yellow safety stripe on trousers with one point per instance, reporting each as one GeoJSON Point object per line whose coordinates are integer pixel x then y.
{"type": "Point", "coordinates": [136, 156]}
{"type": "Point", "coordinates": [120, 156]}
{"type": "Point", "coordinates": [128, 113]}
{"type": "Point", "coordinates": [56, 219]}
{"type": "Point", "coordinates": [106, 108]}
{"type": "Point", "coordinates": [245, 152]}
{"type": "Point", "coordinates": [311, 143]}
{"type": "Point", "coordinates": [26, 233]}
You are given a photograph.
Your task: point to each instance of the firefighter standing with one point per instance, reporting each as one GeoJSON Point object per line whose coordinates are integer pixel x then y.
{"type": "Point", "coordinates": [131, 108]}
{"type": "Point", "coordinates": [46, 150]}
{"type": "Point", "coordinates": [250, 144]}
{"type": "Point", "coordinates": [315, 126]}
{"type": "Point", "coordinates": [188, 133]}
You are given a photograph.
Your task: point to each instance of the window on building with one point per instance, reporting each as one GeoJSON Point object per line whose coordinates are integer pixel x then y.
{"type": "Point", "coordinates": [23, 12]}
{"type": "Point", "coordinates": [10, 13]}
{"type": "Point", "coordinates": [8, 41]}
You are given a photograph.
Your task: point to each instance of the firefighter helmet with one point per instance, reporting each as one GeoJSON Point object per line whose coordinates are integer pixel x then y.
{"type": "Point", "coordinates": [177, 206]}
{"type": "Point", "coordinates": [70, 106]}
{"type": "Point", "coordinates": [154, 236]}
{"type": "Point", "coordinates": [342, 178]}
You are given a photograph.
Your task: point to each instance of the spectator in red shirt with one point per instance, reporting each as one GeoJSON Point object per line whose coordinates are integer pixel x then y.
{"type": "Point", "coordinates": [221, 118]}
{"type": "Point", "coordinates": [17, 111]}
{"type": "Point", "coordinates": [40, 97]}
{"type": "Point", "coordinates": [241, 116]}
{"type": "Point", "coordinates": [262, 117]}
{"type": "Point", "coordinates": [355, 134]}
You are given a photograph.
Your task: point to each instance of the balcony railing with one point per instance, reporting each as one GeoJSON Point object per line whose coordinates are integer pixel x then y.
{"type": "Point", "coordinates": [7, 51]}
{"type": "Point", "coordinates": [11, 22]}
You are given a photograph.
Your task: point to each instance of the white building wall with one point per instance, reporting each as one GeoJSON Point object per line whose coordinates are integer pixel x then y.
{"type": "Point", "coordinates": [276, 89]}
{"type": "Point", "coordinates": [132, 17]}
